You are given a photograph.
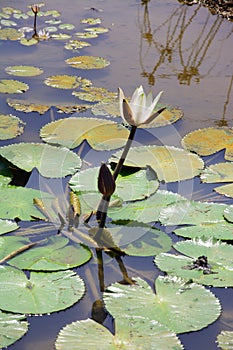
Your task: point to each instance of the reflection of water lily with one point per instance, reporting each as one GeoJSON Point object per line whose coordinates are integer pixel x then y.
{"type": "Point", "coordinates": [140, 110]}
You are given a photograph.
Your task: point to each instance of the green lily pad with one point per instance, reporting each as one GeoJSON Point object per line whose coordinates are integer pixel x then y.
{"type": "Point", "coordinates": [24, 71]}
{"type": "Point", "coordinates": [49, 160]}
{"type": "Point", "coordinates": [140, 240]}
{"type": "Point", "coordinates": [7, 226]}
{"type": "Point", "coordinates": [228, 213]}
{"type": "Point", "coordinates": [17, 202]}
{"type": "Point", "coordinates": [12, 328]}
{"type": "Point", "coordinates": [93, 94]}
{"type": "Point", "coordinates": [130, 333]}
{"type": "Point", "coordinates": [225, 340]}
{"type": "Point", "coordinates": [145, 210]}
{"type": "Point", "coordinates": [177, 304]}
{"type": "Point", "coordinates": [8, 86]}
{"type": "Point", "coordinates": [219, 230]}
{"type": "Point", "coordinates": [210, 140]}
{"type": "Point", "coordinates": [87, 62]}
{"type": "Point", "coordinates": [66, 26]}
{"type": "Point", "coordinates": [8, 23]}
{"type": "Point", "coordinates": [61, 36]}
{"type": "Point", "coordinates": [221, 172]}
{"type": "Point", "coordinates": [131, 187]}
{"type": "Point", "coordinates": [170, 163]}
{"type": "Point", "coordinates": [63, 81]}
{"type": "Point", "coordinates": [27, 107]}
{"type": "Point", "coordinates": [101, 134]}
{"type": "Point", "coordinates": [192, 213]}
{"type": "Point", "coordinates": [52, 255]}
{"type": "Point", "coordinates": [76, 44]}
{"type": "Point", "coordinates": [10, 244]}
{"type": "Point", "coordinates": [10, 126]}
{"type": "Point", "coordinates": [42, 293]}
{"type": "Point", "coordinates": [10, 34]}
{"type": "Point", "coordinates": [28, 42]}
{"type": "Point", "coordinates": [219, 272]}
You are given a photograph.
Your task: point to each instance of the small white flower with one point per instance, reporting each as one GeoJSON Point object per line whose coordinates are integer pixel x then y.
{"type": "Point", "coordinates": [43, 35]}
{"type": "Point", "coordinates": [140, 110]}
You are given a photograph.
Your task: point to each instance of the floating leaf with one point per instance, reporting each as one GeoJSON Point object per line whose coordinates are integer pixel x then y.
{"type": "Point", "coordinates": [87, 62]}
{"type": "Point", "coordinates": [72, 108]}
{"type": "Point", "coordinates": [27, 107]}
{"type": "Point", "coordinates": [11, 244]}
{"type": "Point", "coordinates": [12, 328]}
{"type": "Point", "coordinates": [210, 140]}
{"type": "Point", "coordinates": [131, 187]}
{"type": "Point", "coordinates": [76, 44]}
{"type": "Point", "coordinates": [63, 81]}
{"type": "Point", "coordinates": [221, 172]}
{"type": "Point", "coordinates": [49, 160]}
{"type": "Point", "coordinates": [170, 163]}
{"type": "Point", "coordinates": [86, 35]}
{"type": "Point", "coordinates": [8, 86]}
{"type": "Point", "coordinates": [8, 23]}
{"type": "Point", "coordinates": [219, 230]}
{"type": "Point", "coordinates": [93, 94]}
{"type": "Point", "coordinates": [140, 240]}
{"type": "Point", "coordinates": [18, 203]}
{"type": "Point", "coordinates": [28, 42]}
{"type": "Point", "coordinates": [192, 213]}
{"type": "Point", "coordinates": [66, 26]}
{"type": "Point", "coordinates": [144, 211]}
{"type": "Point", "coordinates": [91, 21]}
{"type": "Point", "coordinates": [52, 255]}
{"type": "Point", "coordinates": [42, 293]}
{"type": "Point", "coordinates": [225, 340]}
{"type": "Point", "coordinates": [10, 34]}
{"type": "Point", "coordinates": [108, 109]}
{"type": "Point", "coordinates": [7, 226]}
{"type": "Point", "coordinates": [228, 213]}
{"type": "Point", "coordinates": [10, 126]}
{"type": "Point", "coordinates": [169, 116]}
{"type": "Point", "coordinates": [101, 134]}
{"type": "Point", "coordinates": [217, 273]}
{"type": "Point", "coordinates": [61, 36]}
{"type": "Point", "coordinates": [130, 332]}
{"type": "Point", "coordinates": [98, 30]}
{"type": "Point", "coordinates": [24, 71]}
{"type": "Point", "coordinates": [178, 304]}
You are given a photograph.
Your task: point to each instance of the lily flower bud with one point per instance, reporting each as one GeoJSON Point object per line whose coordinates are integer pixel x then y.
{"type": "Point", "coordinates": [35, 8]}
{"type": "Point", "coordinates": [106, 182]}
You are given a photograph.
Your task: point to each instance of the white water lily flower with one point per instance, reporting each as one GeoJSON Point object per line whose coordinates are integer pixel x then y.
{"type": "Point", "coordinates": [140, 110]}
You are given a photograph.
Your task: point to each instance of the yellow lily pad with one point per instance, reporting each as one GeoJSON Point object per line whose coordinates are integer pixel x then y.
{"type": "Point", "coordinates": [170, 163]}
{"type": "Point", "coordinates": [24, 71]}
{"type": "Point", "coordinates": [210, 140]}
{"type": "Point", "coordinates": [169, 116]}
{"type": "Point", "coordinates": [63, 81]}
{"type": "Point", "coordinates": [10, 34]}
{"type": "Point", "coordinates": [87, 62]}
{"type": "Point", "coordinates": [10, 126]}
{"type": "Point", "coordinates": [101, 134]}
{"type": "Point", "coordinates": [95, 94]}
{"type": "Point", "coordinates": [91, 21]}
{"type": "Point", "coordinates": [27, 107]}
{"type": "Point", "coordinates": [76, 44]}
{"type": "Point", "coordinates": [8, 86]}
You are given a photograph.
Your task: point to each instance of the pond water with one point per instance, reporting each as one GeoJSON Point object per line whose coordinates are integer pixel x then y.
{"type": "Point", "coordinates": [163, 45]}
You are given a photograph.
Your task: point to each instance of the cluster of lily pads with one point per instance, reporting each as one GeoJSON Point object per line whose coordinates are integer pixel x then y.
{"type": "Point", "coordinates": [143, 319]}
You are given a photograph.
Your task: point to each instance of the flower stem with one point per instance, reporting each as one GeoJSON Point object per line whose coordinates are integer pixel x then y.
{"type": "Point", "coordinates": [104, 203]}
{"type": "Point", "coordinates": [125, 152]}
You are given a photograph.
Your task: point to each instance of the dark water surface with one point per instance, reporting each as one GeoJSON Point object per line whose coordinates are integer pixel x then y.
{"type": "Point", "coordinates": [163, 45]}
